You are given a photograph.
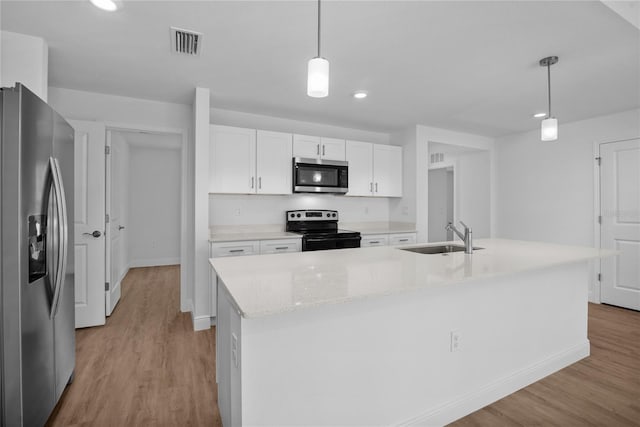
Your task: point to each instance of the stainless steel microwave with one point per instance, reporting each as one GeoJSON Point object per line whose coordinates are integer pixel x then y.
{"type": "Point", "coordinates": [320, 176]}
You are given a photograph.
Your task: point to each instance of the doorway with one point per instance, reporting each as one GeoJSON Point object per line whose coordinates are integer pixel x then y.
{"type": "Point", "coordinates": [620, 222]}
{"type": "Point", "coordinates": [441, 203]}
{"type": "Point", "coordinates": [144, 204]}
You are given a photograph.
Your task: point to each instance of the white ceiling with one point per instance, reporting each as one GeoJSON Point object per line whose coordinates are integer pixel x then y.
{"type": "Point", "coordinates": [466, 66]}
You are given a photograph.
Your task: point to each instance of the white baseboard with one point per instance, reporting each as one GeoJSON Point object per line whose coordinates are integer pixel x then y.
{"type": "Point", "coordinates": [154, 262]}
{"type": "Point", "coordinates": [496, 390]}
{"type": "Point", "coordinates": [200, 323]}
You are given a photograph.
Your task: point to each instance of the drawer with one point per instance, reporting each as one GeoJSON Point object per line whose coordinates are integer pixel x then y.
{"type": "Point", "coordinates": [280, 246]}
{"type": "Point", "coordinates": [235, 248]}
{"type": "Point", "coordinates": [369, 240]}
{"type": "Point", "coordinates": [402, 239]}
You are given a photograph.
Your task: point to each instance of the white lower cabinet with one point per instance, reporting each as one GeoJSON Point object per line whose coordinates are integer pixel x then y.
{"type": "Point", "coordinates": [369, 240]}
{"type": "Point", "coordinates": [280, 246]}
{"type": "Point", "coordinates": [402, 239]}
{"type": "Point", "coordinates": [392, 239]}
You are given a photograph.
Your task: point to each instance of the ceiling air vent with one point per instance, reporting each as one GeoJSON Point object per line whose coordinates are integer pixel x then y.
{"type": "Point", "coordinates": [186, 42]}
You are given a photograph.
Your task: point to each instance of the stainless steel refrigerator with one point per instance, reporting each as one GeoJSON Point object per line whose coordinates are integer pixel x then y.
{"type": "Point", "coordinates": [37, 357]}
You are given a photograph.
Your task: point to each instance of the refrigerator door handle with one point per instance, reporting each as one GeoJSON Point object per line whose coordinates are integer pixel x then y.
{"type": "Point", "coordinates": [63, 235]}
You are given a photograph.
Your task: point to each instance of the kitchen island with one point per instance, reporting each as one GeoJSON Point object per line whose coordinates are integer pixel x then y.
{"type": "Point", "coordinates": [384, 336]}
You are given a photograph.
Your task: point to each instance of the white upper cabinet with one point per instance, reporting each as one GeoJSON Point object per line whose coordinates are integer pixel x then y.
{"type": "Point", "coordinates": [273, 164]}
{"type": "Point", "coordinates": [360, 158]}
{"type": "Point", "coordinates": [315, 147]}
{"type": "Point", "coordinates": [246, 161]}
{"type": "Point", "coordinates": [232, 160]}
{"type": "Point", "coordinates": [387, 170]}
{"type": "Point", "coordinates": [332, 149]}
{"type": "Point", "coordinates": [374, 169]}
{"type": "Point", "coordinates": [306, 146]}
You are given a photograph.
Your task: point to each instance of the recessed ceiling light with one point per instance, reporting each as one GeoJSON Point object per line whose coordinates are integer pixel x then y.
{"type": "Point", "coordinates": [108, 5]}
{"type": "Point", "coordinates": [361, 94]}
{"type": "Point", "coordinates": [538, 115]}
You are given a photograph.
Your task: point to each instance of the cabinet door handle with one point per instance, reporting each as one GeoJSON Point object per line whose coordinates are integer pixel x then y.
{"type": "Point", "coordinates": [318, 149]}
{"type": "Point", "coordinates": [323, 150]}
{"type": "Point", "coordinates": [259, 183]}
{"type": "Point", "coordinates": [235, 251]}
{"type": "Point", "coordinates": [371, 187]}
{"type": "Point", "coordinates": [252, 182]}
{"type": "Point", "coordinates": [376, 187]}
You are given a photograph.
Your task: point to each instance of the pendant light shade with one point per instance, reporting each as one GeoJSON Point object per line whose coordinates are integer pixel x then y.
{"type": "Point", "coordinates": [549, 129]}
{"type": "Point", "coordinates": [549, 126]}
{"type": "Point", "coordinates": [318, 78]}
{"type": "Point", "coordinates": [318, 71]}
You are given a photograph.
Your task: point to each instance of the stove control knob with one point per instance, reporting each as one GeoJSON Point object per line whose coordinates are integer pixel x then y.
{"type": "Point", "coordinates": [298, 215]}
{"type": "Point", "coordinates": [328, 214]}
{"type": "Point", "coordinates": [334, 215]}
{"type": "Point", "coordinates": [292, 215]}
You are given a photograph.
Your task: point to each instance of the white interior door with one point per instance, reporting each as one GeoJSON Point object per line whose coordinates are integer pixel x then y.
{"type": "Point", "coordinates": [89, 242]}
{"type": "Point", "coordinates": [620, 229]}
{"type": "Point", "coordinates": [116, 265]}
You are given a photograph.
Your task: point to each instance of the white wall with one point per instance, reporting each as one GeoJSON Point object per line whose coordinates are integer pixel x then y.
{"type": "Point", "coordinates": [279, 124]}
{"type": "Point", "coordinates": [154, 206]}
{"type": "Point", "coordinates": [473, 188]}
{"type": "Point", "coordinates": [24, 59]}
{"type": "Point", "coordinates": [545, 190]}
{"type": "Point", "coordinates": [202, 298]}
{"type": "Point", "coordinates": [255, 210]}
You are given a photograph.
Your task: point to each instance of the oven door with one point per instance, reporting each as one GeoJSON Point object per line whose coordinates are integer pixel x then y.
{"type": "Point", "coordinates": [310, 243]}
{"type": "Point", "coordinates": [320, 176]}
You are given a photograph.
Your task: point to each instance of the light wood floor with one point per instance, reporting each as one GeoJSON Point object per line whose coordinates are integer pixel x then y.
{"type": "Point", "coordinates": [147, 367]}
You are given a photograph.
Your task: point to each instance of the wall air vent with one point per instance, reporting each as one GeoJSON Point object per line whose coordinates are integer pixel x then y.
{"type": "Point", "coordinates": [186, 42]}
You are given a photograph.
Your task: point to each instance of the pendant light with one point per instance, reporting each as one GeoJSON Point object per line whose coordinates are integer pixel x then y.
{"type": "Point", "coordinates": [318, 71]}
{"type": "Point", "coordinates": [549, 127]}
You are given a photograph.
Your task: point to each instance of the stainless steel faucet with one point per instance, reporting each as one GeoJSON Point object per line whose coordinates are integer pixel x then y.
{"type": "Point", "coordinates": [467, 237]}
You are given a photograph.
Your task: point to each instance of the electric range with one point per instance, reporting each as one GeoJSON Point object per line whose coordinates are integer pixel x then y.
{"type": "Point", "coordinates": [319, 229]}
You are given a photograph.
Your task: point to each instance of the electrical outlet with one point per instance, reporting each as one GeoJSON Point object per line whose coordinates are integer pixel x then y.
{"type": "Point", "coordinates": [455, 341]}
{"type": "Point", "coordinates": [238, 212]}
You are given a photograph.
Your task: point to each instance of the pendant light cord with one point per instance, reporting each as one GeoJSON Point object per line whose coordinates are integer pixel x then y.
{"type": "Point", "coordinates": [318, 28]}
{"type": "Point", "coordinates": [548, 86]}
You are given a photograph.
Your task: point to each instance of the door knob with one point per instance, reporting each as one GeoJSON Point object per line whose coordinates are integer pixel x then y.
{"type": "Point", "coordinates": [121, 227]}
{"type": "Point", "coordinates": [94, 234]}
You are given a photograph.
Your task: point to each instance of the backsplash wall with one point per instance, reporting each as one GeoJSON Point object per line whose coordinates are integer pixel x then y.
{"type": "Point", "coordinates": [239, 209]}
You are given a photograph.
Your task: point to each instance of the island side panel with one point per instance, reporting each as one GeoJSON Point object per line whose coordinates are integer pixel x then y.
{"type": "Point", "coordinates": [388, 360]}
{"type": "Point", "coordinates": [228, 364]}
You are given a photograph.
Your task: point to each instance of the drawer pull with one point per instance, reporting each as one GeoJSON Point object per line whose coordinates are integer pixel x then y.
{"type": "Point", "coordinates": [233, 251]}
{"type": "Point", "coordinates": [282, 248]}
{"type": "Point", "coordinates": [403, 240]}
{"type": "Point", "coordinates": [374, 242]}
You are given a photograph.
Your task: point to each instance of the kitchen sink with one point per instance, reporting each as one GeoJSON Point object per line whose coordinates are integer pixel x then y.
{"type": "Point", "coordinates": [442, 249]}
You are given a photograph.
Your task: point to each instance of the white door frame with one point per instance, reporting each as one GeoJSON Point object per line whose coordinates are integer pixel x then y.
{"type": "Point", "coordinates": [182, 133]}
{"type": "Point", "coordinates": [596, 265]}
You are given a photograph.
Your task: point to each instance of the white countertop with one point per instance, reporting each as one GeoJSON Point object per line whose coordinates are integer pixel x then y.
{"type": "Point", "coordinates": [379, 227]}
{"type": "Point", "coordinates": [263, 285]}
{"type": "Point", "coordinates": [252, 235]}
